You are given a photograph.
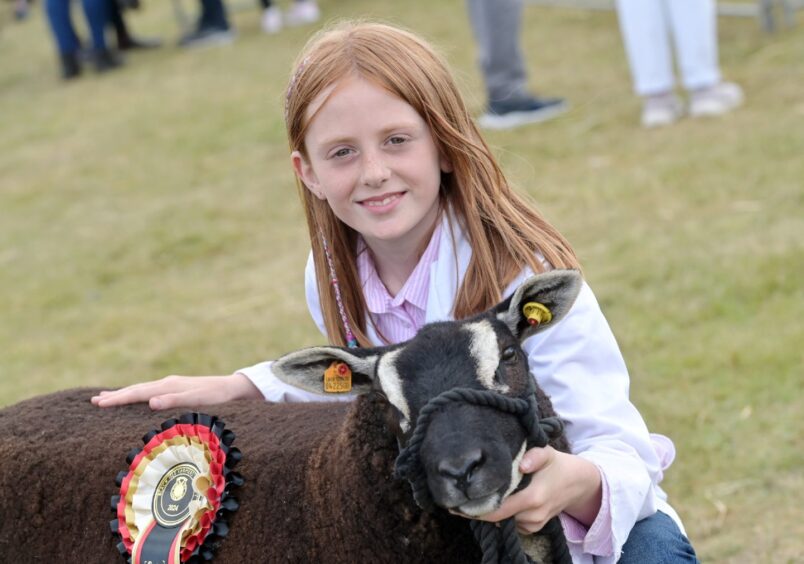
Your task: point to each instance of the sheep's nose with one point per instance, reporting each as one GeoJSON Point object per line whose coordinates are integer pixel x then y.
{"type": "Point", "coordinates": [461, 468]}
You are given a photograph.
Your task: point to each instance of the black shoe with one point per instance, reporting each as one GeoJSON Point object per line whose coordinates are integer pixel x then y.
{"type": "Point", "coordinates": [106, 60]}
{"type": "Point", "coordinates": [207, 36]}
{"type": "Point", "coordinates": [70, 66]}
{"type": "Point", "coordinates": [507, 114]}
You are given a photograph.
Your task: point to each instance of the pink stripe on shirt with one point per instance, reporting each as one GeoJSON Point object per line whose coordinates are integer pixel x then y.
{"type": "Point", "coordinates": [398, 318]}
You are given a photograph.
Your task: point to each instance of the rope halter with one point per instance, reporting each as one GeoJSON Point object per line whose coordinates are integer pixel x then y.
{"type": "Point", "coordinates": [499, 544]}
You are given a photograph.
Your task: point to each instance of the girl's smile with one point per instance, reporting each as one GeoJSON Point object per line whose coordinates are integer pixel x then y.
{"type": "Point", "coordinates": [382, 203]}
{"type": "Point", "coordinates": [372, 157]}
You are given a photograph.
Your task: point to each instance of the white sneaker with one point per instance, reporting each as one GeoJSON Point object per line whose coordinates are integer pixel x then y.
{"type": "Point", "coordinates": [658, 111]}
{"type": "Point", "coordinates": [302, 12]}
{"type": "Point", "coordinates": [272, 20]}
{"type": "Point", "coordinates": [716, 100]}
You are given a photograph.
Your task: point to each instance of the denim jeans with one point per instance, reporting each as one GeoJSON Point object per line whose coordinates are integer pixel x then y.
{"type": "Point", "coordinates": [657, 540]}
{"type": "Point", "coordinates": [213, 15]}
{"type": "Point", "coordinates": [58, 15]}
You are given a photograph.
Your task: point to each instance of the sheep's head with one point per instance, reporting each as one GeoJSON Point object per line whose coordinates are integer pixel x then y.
{"type": "Point", "coordinates": [470, 453]}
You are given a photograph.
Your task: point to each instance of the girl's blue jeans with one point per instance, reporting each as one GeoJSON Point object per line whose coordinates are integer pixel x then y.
{"type": "Point", "coordinates": [58, 15]}
{"type": "Point", "coordinates": [657, 540]}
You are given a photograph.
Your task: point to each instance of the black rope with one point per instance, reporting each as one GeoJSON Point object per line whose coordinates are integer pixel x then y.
{"type": "Point", "coordinates": [500, 544]}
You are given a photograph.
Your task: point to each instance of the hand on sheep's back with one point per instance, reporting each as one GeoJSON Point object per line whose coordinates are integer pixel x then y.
{"type": "Point", "coordinates": [181, 391]}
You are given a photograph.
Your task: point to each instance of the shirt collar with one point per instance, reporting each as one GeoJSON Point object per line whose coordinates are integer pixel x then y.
{"type": "Point", "coordinates": [415, 289]}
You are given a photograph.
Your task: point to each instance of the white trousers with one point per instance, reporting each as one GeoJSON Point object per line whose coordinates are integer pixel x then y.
{"type": "Point", "coordinates": [651, 27]}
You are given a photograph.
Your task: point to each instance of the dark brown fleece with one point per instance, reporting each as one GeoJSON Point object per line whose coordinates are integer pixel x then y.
{"type": "Point", "coordinates": [319, 485]}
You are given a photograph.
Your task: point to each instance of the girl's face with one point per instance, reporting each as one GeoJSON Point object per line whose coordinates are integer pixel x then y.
{"type": "Point", "coordinates": [372, 158]}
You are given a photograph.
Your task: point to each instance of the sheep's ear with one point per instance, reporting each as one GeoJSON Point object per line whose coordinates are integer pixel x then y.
{"type": "Point", "coordinates": [305, 368]}
{"type": "Point", "coordinates": [540, 302]}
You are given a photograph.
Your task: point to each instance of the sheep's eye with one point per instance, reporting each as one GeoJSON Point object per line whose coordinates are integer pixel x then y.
{"type": "Point", "coordinates": [509, 353]}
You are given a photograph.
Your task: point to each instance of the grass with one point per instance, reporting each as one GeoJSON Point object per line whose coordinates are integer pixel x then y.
{"type": "Point", "coordinates": [149, 225]}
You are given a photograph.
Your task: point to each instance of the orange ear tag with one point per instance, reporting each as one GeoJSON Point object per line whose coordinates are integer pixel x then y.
{"type": "Point", "coordinates": [337, 378]}
{"type": "Point", "coordinates": [537, 313]}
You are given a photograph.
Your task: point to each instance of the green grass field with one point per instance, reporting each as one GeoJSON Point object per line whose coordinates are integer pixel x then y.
{"type": "Point", "coordinates": [149, 225]}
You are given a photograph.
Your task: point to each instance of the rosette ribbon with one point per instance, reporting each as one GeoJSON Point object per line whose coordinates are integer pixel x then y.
{"type": "Point", "coordinates": [174, 500]}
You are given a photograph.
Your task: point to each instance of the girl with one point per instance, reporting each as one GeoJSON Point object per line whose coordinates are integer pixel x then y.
{"type": "Point", "coordinates": [412, 221]}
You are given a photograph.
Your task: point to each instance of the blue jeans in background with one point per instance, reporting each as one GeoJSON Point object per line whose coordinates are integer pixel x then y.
{"type": "Point", "coordinates": [657, 540]}
{"type": "Point", "coordinates": [213, 15]}
{"type": "Point", "coordinates": [58, 15]}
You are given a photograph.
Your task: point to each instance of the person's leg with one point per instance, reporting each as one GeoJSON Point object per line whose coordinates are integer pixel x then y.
{"type": "Point", "coordinates": [646, 36]}
{"type": "Point", "coordinates": [97, 15]}
{"type": "Point", "coordinates": [271, 20]}
{"type": "Point", "coordinates": [694, 25]}
{"type": "Point", "coordinates": [496, 25]}
{"type": "Point", "coordinates": [694, 28]}
{"type": "Point", "coordinates": [302, 12]}
{"type": "Point", "coordinates": [213, 26]}
{"type": "Point", "coordinates": [658, 540]}
{"type": "Point", "coordinates": [213, 15]}
{"type": "Point", "coordinates": [58, 16]}
{"type": "Point", "coordinates": [125, 40]}
{"type": "Point", "coordinates": [67, 44]}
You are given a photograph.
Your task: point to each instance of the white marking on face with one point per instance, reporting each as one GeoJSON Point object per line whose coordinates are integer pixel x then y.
{"type": "Point", "coordinates": [391, 385]}
{"type": "Point", "coordinates": [481, 507]}
{"type": "Point", "coordinates": [516, 475]}
{"type": "Point", "coordinates": [486, 354]}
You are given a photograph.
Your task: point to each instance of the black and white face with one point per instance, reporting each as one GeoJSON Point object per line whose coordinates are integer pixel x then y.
{"type": "Point", "coordinates": [470, 453]}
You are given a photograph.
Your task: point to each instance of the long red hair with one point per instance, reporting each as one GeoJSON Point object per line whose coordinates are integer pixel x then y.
{"type": "Point", "coordinates": [504, 229]}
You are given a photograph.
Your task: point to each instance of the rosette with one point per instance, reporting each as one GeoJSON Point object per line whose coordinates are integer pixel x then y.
{"type": "Point", "coordinates": [175, 497]}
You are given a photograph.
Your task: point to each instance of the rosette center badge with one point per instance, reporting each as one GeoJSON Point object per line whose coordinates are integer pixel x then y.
{"type": "Point", "coordinates": [177, 492]}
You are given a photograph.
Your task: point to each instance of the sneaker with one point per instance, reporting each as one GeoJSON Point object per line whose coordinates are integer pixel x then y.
{"type": "Point", "coordinates": [207, 36]}
{"type": "Point", "coordinates": [716, 100]}
{"type": "Point", "coordinates": [302, 12]}
{"type": "Point", "coordinates": [661, 110]}
{"type": "Point", "coordinates": [272, 20]}
{"type": "Point", "coordinates": [507, 114]}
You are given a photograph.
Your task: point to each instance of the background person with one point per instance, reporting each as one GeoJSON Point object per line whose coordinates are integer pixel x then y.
{"type": "Point", "coordinates": [497, 26]}
{"type": "Point", "coordinates": [68, 43]}
{"type": "Point", "coordinates": [213, 26]}
{"type": "Point", "coordinates": [649, 28]}
{"type": "Point", "coordinates": [300, 12]}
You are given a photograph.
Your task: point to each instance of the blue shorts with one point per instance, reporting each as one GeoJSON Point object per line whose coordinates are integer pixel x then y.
{"type": "Point", "coordinates": [657, 540]}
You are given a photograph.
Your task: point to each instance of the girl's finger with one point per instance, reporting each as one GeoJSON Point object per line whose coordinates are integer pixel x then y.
{"type": "Point", "coordinates": [190, 398]}
{"type": "Point", "coordinates": [536, 458]}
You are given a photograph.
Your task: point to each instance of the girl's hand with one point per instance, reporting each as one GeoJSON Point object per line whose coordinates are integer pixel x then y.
{"type": "Point", "coordinates": [181, 391]}
{"type": "Point", "coordinates": [560, 482]}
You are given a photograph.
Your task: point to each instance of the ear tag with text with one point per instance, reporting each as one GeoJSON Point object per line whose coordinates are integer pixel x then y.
{"type": "Point", "coordinates": [537, 313]}
{"type": "Point", "coordinates": [337, 378]}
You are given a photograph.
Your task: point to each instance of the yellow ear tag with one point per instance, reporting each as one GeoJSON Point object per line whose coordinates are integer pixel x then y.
{"type": "Point", "coordinates": [537, 313]}
{"type": "Point", "coordinates": [337, 378]}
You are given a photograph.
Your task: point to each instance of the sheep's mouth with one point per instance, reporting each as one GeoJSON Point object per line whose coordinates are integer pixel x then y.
{"type": "Point", "coordinates": [477, 507]}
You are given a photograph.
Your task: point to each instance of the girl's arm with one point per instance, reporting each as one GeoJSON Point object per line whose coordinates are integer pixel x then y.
{"type": "Point", "coordinates": [252, 382]}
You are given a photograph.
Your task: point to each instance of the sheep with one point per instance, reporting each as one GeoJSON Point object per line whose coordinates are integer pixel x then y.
{"type": "Point", "coordinates": [320, 483]}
